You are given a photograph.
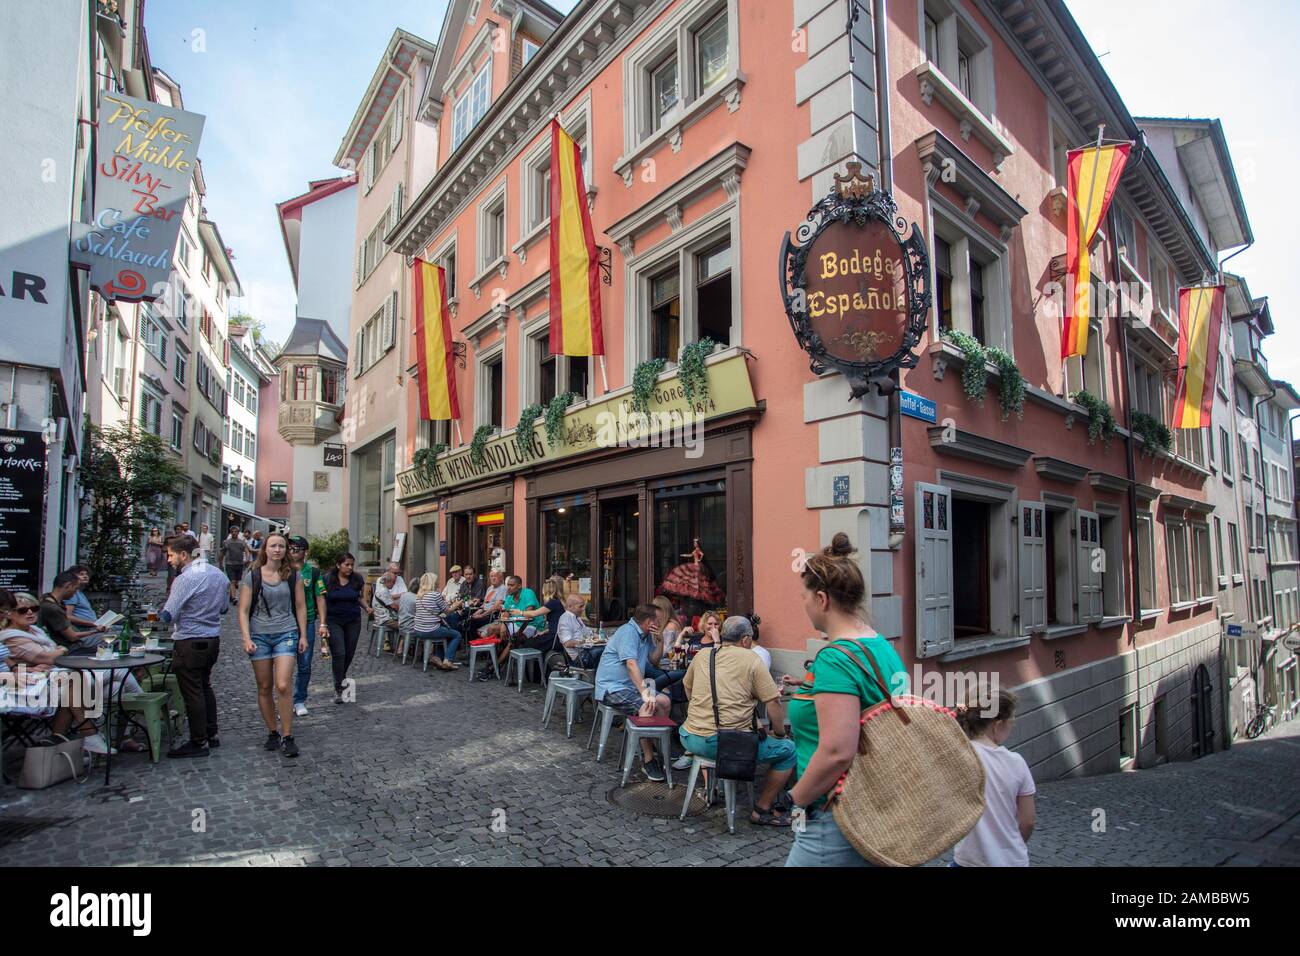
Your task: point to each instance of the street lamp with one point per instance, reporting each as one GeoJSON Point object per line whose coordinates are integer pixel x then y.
{"type": "Point", "coordinates": [237, 479]}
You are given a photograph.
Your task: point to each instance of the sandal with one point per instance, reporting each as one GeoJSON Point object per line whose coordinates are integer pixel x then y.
{"type": "Point", "coordinates": [769, 818]}
{"type": "Point", "coordinates": [131, 746]}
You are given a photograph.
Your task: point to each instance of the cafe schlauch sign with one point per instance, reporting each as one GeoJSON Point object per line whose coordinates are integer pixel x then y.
{"type": "Point", "coordinates": [856, 290]}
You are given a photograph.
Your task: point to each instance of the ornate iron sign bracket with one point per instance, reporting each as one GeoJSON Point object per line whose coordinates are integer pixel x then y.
{"type": "Point", "coordinates": [854, 201]}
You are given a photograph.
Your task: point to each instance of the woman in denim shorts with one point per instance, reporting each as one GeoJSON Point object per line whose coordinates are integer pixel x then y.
{"type": "Point", "coordinates": [273, 621]}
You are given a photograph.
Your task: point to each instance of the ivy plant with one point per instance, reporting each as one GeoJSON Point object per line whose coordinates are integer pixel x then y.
{"type": "Point", "coordinates": [1011, 384]}
{"type": "Point", "coordinates": [644, 379]}
{"type": "Point", "coordinates": [1101, 423]}
{"type": "Point", "coordinates": [1153, 432]}
{"type": "Point", "coordinates": [478, 445]}
{"type": "Point", "coordinates": [555, 410]}
{"type": "Point", "coordinates": [524, 430]}
{"type": "Point", "coordinates": [975, 376]}
{"type": "Point", "coordinates": [691, 371]}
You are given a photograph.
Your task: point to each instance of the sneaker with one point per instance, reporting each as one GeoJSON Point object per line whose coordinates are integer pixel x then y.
{"type": "Point", "coordinates": [288, 747]}
{"type": "Point", "coordinates": [486, 674]}
{"type": "Point", "coordinates": [654, 770]}
{"type": "Point", "coordinates": [300, 710]}
{"type": "Point", "coordinates": [96, 744]}
{"type": "Point", "coordinates": [214, 742]}
{"type": "Point", "coordinates": [272, 741]}
{"type": "Point", "coordinates": [188, 749]}
{"type": "Point", "coordinates": [683, 762]}
{"type": "Point", "coordinates": [338, 697]}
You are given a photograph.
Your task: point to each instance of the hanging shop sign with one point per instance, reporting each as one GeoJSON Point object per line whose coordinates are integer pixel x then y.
{"type": "Point", "coordinates": [856, 290]}
{"type": "Point", "coordinates": [334, 455]}
{"type": "Point", "coordinates": [22, 494]}
{"type": "Point", "coordinates": [142, 183]}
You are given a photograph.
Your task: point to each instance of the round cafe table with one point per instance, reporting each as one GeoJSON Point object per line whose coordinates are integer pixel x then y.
{"type": "Point", "coordinates": [112, 665]}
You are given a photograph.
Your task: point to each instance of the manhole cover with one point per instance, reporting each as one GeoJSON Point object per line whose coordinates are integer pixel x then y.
{"type": "Point", "coordinates": [654, 799]}
{"type": "Point", "coordinates": [17, 828]}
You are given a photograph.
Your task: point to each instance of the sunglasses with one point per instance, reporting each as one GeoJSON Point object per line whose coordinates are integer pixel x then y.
{"type": "Point", "coordinates": [26, 608]}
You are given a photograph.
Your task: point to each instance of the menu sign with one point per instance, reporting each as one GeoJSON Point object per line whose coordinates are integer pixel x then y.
{"type": "Point", "coordinates": [22, 493]}
{"type": "Point", "coordinates": [141, 186]}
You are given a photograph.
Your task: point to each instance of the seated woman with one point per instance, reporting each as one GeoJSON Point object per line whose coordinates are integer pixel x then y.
{"type": "Point", "coordinates": [431, 610]}
{"type": "Point", "coordinates": [30, 696]}
{"type": "Point", "coordinates": [706, 635]}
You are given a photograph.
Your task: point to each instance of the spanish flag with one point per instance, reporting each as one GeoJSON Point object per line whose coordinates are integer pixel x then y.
{"type": "Point", "coordinates": [1200, 318]}
{"type": "Point", "coordinates": [575, 260]}
{"type": "Point", "coordinates": [1093, 175]}
{"type": "Point", "coordinates": [433, 344]}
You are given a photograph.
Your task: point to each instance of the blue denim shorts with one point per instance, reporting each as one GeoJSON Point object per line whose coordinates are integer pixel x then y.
{"type": "Point", "coordinates": [267, 646]}
{"type": "Point", "coordinates": [776, 751]}
{"type": "Point", "coordinates": [822, 844]}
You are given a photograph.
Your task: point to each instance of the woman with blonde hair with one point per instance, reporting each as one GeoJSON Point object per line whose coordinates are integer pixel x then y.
{"type": "Point", "coordinates": [431, 610]}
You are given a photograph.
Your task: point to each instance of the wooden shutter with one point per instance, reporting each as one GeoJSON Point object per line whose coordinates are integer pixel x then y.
{"type": "Point", "coordinates": [370, 166]}
{"type": "Point", "coordinates": [395, 211]}
{"type": "Point", "coordinates": [390, 322]}
{"type": "Point", "coordinates": [1089, 570]}
{"type": "Point", "coordinates": [399, 118]}
{"type": "Point", "coordinates": [358, 356]}
{"type": "Point", "coordinates": [934, 631]}
{"type": "Point", "coordinates": [361, 262]}
{"type": "Point", "coordinates": [1033, 567]}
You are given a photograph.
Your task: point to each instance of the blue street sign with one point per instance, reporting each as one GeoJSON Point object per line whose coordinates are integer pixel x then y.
{"type": "Point", "coordinates": [1234, 630]}
{"type": "Point", "coordinates": [917, 406]}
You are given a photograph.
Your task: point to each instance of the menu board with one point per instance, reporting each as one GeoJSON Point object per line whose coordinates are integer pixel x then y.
{"type": "Point", "coordinates": [22, 493]}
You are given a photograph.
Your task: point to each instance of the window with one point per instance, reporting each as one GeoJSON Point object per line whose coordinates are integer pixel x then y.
{"type": "Point", "coordinates": [1218, 551]}
{"type": "Point", "coordinates": [713, 293]}
{"type": "Point", "coordinates": [1188, 446]}
{"type": "Point", "coordinates": [152, 336]}
{"type": "Point", "coordinates": [1161, 721]}
{"type": "Point", "coordinates": [969, 282]}
{"type": "Point", "coordinates": [490, 389]}
{"type": "Point", "coordinates": [1128, 734]}
{"type": "Point", "coordinates": [663, 92]}
{"type": "Point", "coordinates": [249, 491]}
{"type": "Point", "coordinates": [1091, 565]}
{"type": "Point", "coordinates": [529, 51]}
{"type": "Point", "coordinates": [278, 493]}
{"type": "Point", "coordinates": [1085, 373]}
{"type": "Point", "coordinates": [301, 383]}
{"type": "Point", "coordinates": [1126, 233]}
{"type": "Point", "coordinates": [959, 49]}
{"type": "Point", "coordinates": [250, 445]}
{"type": "Point", "coordinates": [1147, 561]}
{"type": "Point", "coordinates": [1225, 454]}
{"type": "Point", "coordinates": [1112, 572]}
{"type": "Point", "coordinates": [535, 182]}
{"type": "Point", "coordinates": [1162, 282]}
{"type": "Point", "coordinates": [555, 374]}
{"type": "Point", "coordinates": [472, 105]}
{"type": "Point", "coordinates": [711, 52]}
{"type": "Point", "coordinates": [377, 336]}
{"type": "Point", "coordinates": [1244, 452]}
{"type": "Point", "coordinates": [546, 367]}
{"type": "Point", "coordinates": [1203, 569]}
{"type": "Point", "coordinates": [1060, 155]}
{"type": "Point", "coordinates": [151, 413]}
{"type": "Point", "coordinates": [1259, 531]}
{"type": "Point", "coordinates": [178, 430]}
{"type": "Point", "coordinates": [329, 387]}
{"type": "Point", "coordinates": [1234, 546]}
{"type": "Point", "coordinates": [448, 262]}
{"type": "Point", "coordinates": [373, 249]}
{"type": "Point", "coordinates": [1059, 579]}
{"type": "Point", "coordinates": [931, 38]}
{"type": "Point", "coordinates": [492, 230]}
{"type": "Point", "coordinates": [183, 248]}
{"type": "Point", "coordinates": [666, 315]}
{"type": "Point", "coordinates": [685, 66]}
{"type": "Point", "coordinates": [943, 283]}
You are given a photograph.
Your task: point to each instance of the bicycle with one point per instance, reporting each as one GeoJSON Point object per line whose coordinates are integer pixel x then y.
{"type": "Point", "coordinates": [1260, 721]}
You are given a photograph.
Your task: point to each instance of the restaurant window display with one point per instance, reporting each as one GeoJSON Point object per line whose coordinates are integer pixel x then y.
{"type": "Point", "coordinates": [376, 472]}
{"type": "Point", "coordinates": [566, 537]}
{"type": "Point", "coordinates": [690, 537]}
{"type": "Point", "coordinates": [620, 571]}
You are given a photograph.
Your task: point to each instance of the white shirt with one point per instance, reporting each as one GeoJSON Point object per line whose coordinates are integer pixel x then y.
{"type": "Point", "coordinates": [386, 596]}
{"type": "Point", "coordinates": [764, 654]}
{"type": "Point", "coordinates": [205, 543]}
{"type": "Point", "coordinates": [996, 840]}
{"type": "Point", "coordinates": [452, 591]}
{"type": "Point", "coordinates": [571, 630]}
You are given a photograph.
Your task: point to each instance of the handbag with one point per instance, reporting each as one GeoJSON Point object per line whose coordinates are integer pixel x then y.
{"type": "Point", "coordinates": [916, 785]}
{"type": "Point", "coordinates": [45, 766]}
{"type": "Point", "coordinates": [737, 757]}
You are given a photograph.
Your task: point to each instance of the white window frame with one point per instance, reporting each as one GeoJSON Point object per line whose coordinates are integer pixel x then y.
{"type": "Point", "coordinates": [178, 427]}
{"type": "Point", "coordinates": [1202, 560]}
{"type": "Point", "coordinates": [488, 259]}
{"type": "Point", "coordinates": [447, 254]}
{"type": "Point", "coordinates": [957, 29]}
{"type": "Point", "coordinates": [1003, 549]}
{"type": "Point", "coordinates": [682, 248]}
{"type": "Point", "coordinates": [530, 380]}
{"type": "Point", "coordinates": [489, 355]}
{"type": "Point", "coordinates": [1178, 558]}
{"type": "Point", "coordinates": [464, 120]}
{"type": "Point", "coordinates": [1114, 600]}
{"type": "Point", "coordinates": [525, 55]}
{"type": "Point", "coordinates": [948, 223]}
{"type": "Point", "coordinates": [537, 162]}
{"type": "Point", "coordinates": [1147, 555]}
{"type": "Point", "coordinates": [1081, 370]}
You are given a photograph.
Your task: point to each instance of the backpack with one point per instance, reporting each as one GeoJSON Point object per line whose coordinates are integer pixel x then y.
{"type": "Point", "coordinates": [256, 588]}
{"type": "Point", "coordinates": [916, 785]}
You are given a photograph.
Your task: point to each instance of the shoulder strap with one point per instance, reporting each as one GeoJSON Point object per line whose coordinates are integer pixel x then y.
{"type": "Point", "coordinates": [873, 675]}
{"type": "Point", "coordinates": [713, 687]}
{"type": "Point", "coordinates": [256, 588]}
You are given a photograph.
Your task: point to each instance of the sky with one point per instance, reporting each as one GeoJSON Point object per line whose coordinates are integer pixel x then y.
{"type": "Point", "coordinates": [279, 84]}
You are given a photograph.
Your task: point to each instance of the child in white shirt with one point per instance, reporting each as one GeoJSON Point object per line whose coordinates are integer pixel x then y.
{"type": "Point", "coordinates": [999, 837]}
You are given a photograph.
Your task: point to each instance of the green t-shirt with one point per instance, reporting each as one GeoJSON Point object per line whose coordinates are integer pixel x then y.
{"type": "Point", "coordinates": [526, 600]}
{"type": "Point", "coordinates": [313, 585]}
{"type": "Point", "coordinates": [833, 673]}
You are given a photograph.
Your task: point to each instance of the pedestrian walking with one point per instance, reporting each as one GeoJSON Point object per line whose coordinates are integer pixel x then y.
{"type": "Point", "coordinates": [826, 708]}
{"type": "Point", "coordinates": [234, 555]}
{"type": "Point", "coordinates": [205, 543]}
{"type": "Point", "coordinates": [155, 560]}
{"type": "Point", "coordinates": [273, 622]}
{"type": "Point", "coordinates": [1009, 814]}
{"type": "Point", "coordinates": [313, 589]}
{"type": "Point", "coordinates": [345, 599]}
{"type": "Point", "coordinates": [195, 604]}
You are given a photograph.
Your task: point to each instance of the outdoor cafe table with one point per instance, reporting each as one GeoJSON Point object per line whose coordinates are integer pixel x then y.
{"type": "Point", "coordinates": [112, 665]}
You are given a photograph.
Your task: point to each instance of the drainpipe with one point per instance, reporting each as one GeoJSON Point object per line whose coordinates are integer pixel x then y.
{"type": "Point", "coordinates": [1135, 550]}
{"type": "Point", "coordinates": [880, 19]}
{"type": "Point", "coordinates": [1268, 551]}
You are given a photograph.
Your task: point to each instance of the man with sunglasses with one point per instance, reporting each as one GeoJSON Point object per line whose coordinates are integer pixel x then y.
{"type": "Point", "coordinates": [313, 587]}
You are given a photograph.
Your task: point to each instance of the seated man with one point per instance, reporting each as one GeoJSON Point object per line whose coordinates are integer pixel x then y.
{"type": "Point", "coordinates": [742, 682]}
{"type": "Point", "coordinates": [621, 682]}
{"type": "Point", "coordinates": [493, 600]}
{"type": "Point", "coordinates": [388, 592]}
{"type": "Point", "coordinates": [53, 618]}
{"type": "Point", "coordinates": [80, 612]}
{"type": "Point", "coordinates": [572, 632]}
{"type": "Point", "coordinates": [525, 619]}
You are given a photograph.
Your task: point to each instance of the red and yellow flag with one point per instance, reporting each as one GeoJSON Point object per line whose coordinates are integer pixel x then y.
{"type": "Point", "coordinates": [1200, 318]}
{"type": "Point", "coordinates": [575, 260]}
{"type": "Point", "coordinates": [433, 346]}
{"type": "Point", "coordinates": [1093, 175]}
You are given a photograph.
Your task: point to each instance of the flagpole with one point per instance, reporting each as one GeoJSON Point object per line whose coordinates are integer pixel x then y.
{"type": "Point", "coordinates": [460, 440]}
{"type": "Point", "coordinates": [604, 377]}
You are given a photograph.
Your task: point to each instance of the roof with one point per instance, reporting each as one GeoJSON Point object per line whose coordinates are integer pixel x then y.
{"type": "Point", "coordinates": [314, 337]}
{"type": "Point", "coordinates": [396, 63]}
{"type": "Point", "coordinates": [1286, 395]}
{"type": "Point", "coordinates": [1203, 152]}
{"type": "Point", "coordinates": [290, 214]}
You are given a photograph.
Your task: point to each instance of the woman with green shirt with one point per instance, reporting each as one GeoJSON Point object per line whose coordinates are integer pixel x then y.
{"type": "Point", "coordinates": [828, 702]}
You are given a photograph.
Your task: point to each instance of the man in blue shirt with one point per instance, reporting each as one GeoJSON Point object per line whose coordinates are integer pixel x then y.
{"type": "Point", "coordinates": [621, 680]}
{"type": "Point", "coordinates": [198, 598]}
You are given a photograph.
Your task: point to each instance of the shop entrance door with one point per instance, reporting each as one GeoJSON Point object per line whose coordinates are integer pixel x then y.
{"type": "Point", "coordinates": [490, 544]}
{"type": "Point", "coordinates": [620, 582]}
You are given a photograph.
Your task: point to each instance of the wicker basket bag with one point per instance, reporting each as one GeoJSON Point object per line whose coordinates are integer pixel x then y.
{"type": "Point", "coordinates": [916, 786]}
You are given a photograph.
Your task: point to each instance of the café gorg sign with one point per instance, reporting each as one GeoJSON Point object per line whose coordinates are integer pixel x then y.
{"type": "Point", "coordinates": [856, 290]}
{"type": "Point", "coordinates": [142, 183]}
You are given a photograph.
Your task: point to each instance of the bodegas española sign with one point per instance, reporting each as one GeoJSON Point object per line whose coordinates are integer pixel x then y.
{"type": "Point", "coordinates": [142, 183]}
{"type": "Point", "coordinates": [855, 281]}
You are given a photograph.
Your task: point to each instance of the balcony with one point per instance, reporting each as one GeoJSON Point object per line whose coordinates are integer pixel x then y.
{"type": "Point", "coordinates": [307, 422]}
{"type": "Point", "coordinates": [1248, 359]}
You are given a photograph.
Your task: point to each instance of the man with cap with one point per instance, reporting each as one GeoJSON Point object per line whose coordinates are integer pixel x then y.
{"type": "Point", "coordinates": [455, 576]}
{"type": "Point", "coordinates": [313, 589]}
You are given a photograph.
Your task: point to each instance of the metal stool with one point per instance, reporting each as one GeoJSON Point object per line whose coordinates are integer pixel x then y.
{"type": "Point", "coordinates": [728, 790]}
{"type": "Point", "coordinates": [491, 651]}
{"type": "Point", "coordinates": [518, 662]}
{"type": "Point", "coordinates": [574, 691]}
{"type": "Point", "coordinates": [658, 729]}
{"type": "Point", "coordinates": [605, 715]}
{"type": "Point", "coordinates": [428, 650]}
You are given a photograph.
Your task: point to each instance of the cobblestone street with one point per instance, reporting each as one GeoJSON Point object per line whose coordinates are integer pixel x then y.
{"type": "Point", "coordinates": [412, 772]}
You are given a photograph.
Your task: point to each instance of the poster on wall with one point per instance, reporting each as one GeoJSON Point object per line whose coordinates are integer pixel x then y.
{"type": "Point", "coordinates": [142, 182]}
{"type": "Point", "coordinates": [22, 493]}
{"type": "Point", "coordinates": [399, 545]}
